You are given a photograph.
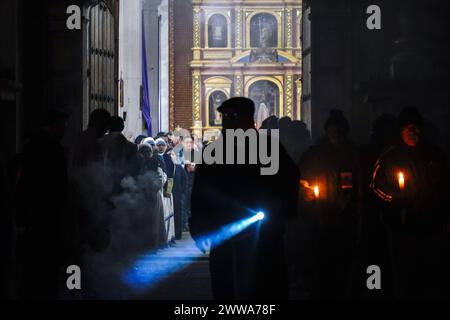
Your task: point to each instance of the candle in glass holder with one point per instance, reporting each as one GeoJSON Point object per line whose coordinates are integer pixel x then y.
{"type": "Point", "coordinates": [401, 180]}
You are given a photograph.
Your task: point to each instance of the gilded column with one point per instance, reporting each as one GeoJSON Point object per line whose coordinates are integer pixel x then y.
{"type": "Point", "coordinates": [238, 29]}
{"type": "Point", "coordinates": [238, 85]}
{"type": "Point", "coordinates": [196, 104]}
{"type": "Point", "coordinates": [196, 30]}
{"type": "Point", "coordinates": [289, 28]}
{"type": "Point", "coordinates": [289, 95]}
{"type": "Point", "coordinates": [196, 93]}
{"type": "Point", "coordinates": [299, 99]}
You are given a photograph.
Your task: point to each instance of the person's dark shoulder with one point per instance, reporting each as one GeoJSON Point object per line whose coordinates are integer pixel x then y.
{"type": "Point", "coordinates": [353, 150]}
{"type": "Point", "coordinates": [310, 153]}
{"type": "Point", "coordinates": [390, 152]}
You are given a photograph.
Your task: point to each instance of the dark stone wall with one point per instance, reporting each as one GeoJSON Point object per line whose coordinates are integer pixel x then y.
{"type": "Point", "coordinates": [51, 63]}
{"type": "Point", "coordinates": [370, 72]}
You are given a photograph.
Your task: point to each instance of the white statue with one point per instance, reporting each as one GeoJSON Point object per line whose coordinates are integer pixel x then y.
{"type": "Point", "coordinates": [262, 114]}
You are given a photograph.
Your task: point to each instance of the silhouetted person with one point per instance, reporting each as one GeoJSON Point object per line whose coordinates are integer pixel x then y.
{"type": "Point", "coordinates": [298, 232]}
{"type": "Point", "coordinates": [90, 188]}
{"type": "Point", "coordinates": [117, 152]}
{"type": "Point", "coordinates": [373, 246]}
{"type": "Point", "coordinates": [410, 180]}
{"type": "Point", "coordinates": [298, 140]}
{"type": "Point", "coordinates": [284, 124]}
{"type": "Point", "coordinates": [42, 203]}
{"type": "Point", "coordinates": [251, 264]}
{"type": "Point", "coordinates": [330, 196]}
{"type": "Point", "coordinates": [115, 147]}
{"type": "Point", "coordinates": [266, 123]}
{"type": "Point", "coordinates": [87, 147]}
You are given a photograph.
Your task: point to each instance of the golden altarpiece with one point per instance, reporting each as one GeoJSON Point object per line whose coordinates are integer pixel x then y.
{"type": "Point", "coordinates": [246, 48]}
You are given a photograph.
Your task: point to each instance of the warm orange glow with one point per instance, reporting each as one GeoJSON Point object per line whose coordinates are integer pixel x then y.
{"type": "Point", "coordinates": [401, 180]}
{"type": "Point", "coordinates": [316, 192]}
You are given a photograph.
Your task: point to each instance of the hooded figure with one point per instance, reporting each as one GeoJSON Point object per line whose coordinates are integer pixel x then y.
{"type": "Point", "coordinates": [330, 196]}
{"type": "Point", "coordinates": [410, 181]}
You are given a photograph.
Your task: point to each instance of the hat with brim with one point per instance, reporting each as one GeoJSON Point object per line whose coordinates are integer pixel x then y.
{"type": "Point", "coordinates": [240, 105]}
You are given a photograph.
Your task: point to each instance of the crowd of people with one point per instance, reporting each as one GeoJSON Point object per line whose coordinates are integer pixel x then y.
{"type": "Point", "coordinates": [105, 200]}
{"type": "Point", "coordinates": [384, 204]}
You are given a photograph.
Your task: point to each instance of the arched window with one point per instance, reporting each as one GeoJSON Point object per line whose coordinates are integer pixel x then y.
{"type": "Point", "coordinates": [217, 31]}
{"type": "Point", "coordinates": [215, 100]}
{"type": "Point", "coordinates": [266, 96]}
{"type": "Point", "coordinates": [263, 31]}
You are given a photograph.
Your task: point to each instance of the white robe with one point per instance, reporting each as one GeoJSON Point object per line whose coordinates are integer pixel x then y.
{"type": "Point", "coordinates": [263, 114]}
{"type": "Point", "coordinates": [167, 204]}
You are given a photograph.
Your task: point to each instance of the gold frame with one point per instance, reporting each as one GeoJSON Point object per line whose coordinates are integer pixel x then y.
{"type": "Point", "coordinates": [226, 15]}
{"type": "Point", "coordinates": [249, 14]}
{"type": "Point", "coordinates": [277, 80]}
{"type": "Point", "coordinates": [208, 95]}
{"type": "Point", "coordinates": [211, 84]}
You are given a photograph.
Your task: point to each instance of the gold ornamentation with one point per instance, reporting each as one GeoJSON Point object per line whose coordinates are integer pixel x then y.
{"type": "Point", "coordinates": [238, 28]}
{"type": "Point", "coordinates": [289, 27]}
{"type": "Point", "coordinates": [299, 99]}
{"type": "Point", "coordinates": [238, 85]}
{"type": "Point", "coordinates": [278, 80]}
{"type": "Point", "coordinates": [289, 95]}
{"type": "Point", "coordinates": [196, 28]}
{"type": "Point", "coordinates": [196, 100]}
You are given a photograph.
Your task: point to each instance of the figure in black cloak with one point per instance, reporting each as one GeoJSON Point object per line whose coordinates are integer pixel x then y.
{"type": "Point", "coordinates": [90, 188]}
{"type": "Point", "coordinates": [330, 197]}
{"type": "Point", "coordinates": [251, 264]}
{"type": "Point", "coordinates": [372, 248]}
{"type": "Point", "coordinates": [118, 153]}
{"type": "Point", "coordinates": [410, 180]}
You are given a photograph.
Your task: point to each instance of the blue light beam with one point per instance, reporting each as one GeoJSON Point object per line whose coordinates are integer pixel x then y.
{"type": "Point", "coordinates": [152, 268]}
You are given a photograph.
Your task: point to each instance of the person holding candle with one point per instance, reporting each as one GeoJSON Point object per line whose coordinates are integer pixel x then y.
{"type": "Point", "coordinates": [329, 195]}
{"type": "Point", "coordinates": [410, 180]}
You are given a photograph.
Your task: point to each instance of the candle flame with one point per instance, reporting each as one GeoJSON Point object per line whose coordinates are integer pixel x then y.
{"type": "Point", "coordinates": [316, 192]}
{"type": "Point", "coordinates": [401, 180]}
